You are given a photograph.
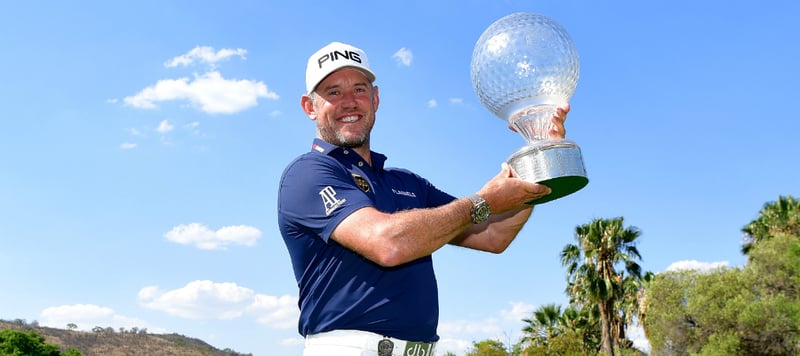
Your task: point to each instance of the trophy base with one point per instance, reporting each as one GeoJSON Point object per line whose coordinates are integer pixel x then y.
{"type": "Point", "coordinates": [557, 164]}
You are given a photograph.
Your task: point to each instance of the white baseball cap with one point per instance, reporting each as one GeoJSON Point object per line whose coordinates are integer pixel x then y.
{"type": "Point", "coordinates": [332, 57]}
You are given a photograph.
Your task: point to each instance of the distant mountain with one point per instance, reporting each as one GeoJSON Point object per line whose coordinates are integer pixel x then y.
{"type": "Point", "coordinates": [108, 342]}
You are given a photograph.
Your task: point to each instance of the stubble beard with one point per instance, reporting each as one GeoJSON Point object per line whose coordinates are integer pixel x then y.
{"type": "Point", "coordinates": [342, 139]}
{"type": "Point", "coordinates": [352, 142]}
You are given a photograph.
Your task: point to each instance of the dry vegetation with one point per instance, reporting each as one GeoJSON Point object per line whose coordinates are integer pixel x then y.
{"type": "Point", "coordinates": [108, 342]}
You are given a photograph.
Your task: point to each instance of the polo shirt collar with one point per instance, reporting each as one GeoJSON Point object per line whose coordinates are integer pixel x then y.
{"type": "Point", "coordinates": [327, 148]}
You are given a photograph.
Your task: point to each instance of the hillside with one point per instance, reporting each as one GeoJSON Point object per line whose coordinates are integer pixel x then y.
{"type": "Point", "coordinates": [108, 342]}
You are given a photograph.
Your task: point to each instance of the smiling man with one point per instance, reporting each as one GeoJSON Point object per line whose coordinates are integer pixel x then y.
{"type": "Point", "coordinates": [360, 235]}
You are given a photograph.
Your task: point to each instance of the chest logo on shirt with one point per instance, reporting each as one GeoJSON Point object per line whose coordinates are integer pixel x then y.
{"type": "Point", "coordinates": [361, 183]}
{"type": "Point", "coordinates": [404, 193]}
{"type": "Point", "coordinates": [329, 200]}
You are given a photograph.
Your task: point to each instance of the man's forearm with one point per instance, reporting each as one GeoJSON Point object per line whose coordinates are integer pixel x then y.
{"type": "Point", "coordinates": [397, 238]}
{"type": "Point", "coordinates": [496, 234]}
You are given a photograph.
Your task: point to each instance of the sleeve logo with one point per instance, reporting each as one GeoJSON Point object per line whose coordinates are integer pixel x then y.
{"type": "Point", "coordinates": [329, 200]}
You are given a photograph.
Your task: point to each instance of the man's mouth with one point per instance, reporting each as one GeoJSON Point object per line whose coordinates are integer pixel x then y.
{"type": "Point", "coordinates": [351, 118]}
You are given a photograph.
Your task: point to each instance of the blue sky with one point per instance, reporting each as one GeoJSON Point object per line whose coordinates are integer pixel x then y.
{"type": "Point", "coordinates": [142, 142]}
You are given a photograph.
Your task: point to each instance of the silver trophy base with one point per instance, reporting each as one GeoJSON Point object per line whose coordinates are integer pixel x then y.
{"type": "Point", "coordinates": [557, 164]}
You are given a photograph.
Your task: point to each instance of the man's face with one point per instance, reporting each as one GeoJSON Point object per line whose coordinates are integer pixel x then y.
{"type": "Point", "coordinates": [344, 108]}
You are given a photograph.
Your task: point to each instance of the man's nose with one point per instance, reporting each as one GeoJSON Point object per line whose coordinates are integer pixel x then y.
{"type": "Point", "coordinates": [349, 99]}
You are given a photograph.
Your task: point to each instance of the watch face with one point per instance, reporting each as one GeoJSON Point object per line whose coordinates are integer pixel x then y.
{"type": "Point", "coordinates": [480, 209]}
{"type": "Point", "coordinates": [482, 212]}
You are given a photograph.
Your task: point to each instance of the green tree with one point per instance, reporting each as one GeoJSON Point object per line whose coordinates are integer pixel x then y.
{"type": "Point", "coordinates": [583, 325]}
{"type": "Point", "coordinates": [487, 348]}
{"type": "Point", "coordinates": [776, 265]}
{"type": "Point", "coordinates": [575, 331]}
{"type": "Point", "coordinates": [715, 302]}
{"type": "Point", "coordinates": [754, 310]}
{"type": "Point", "coordinates": [721, 344]}
{"type": "Point", "coordinates": [593, 277]}
{"type": "Point", "coordinates": [777, 217]}
{"type": "Point", "coordinates": [20, 343]}
{"type": "Point", "coordinates": [668, 325]}
{"type": "Point", "coordinates": [770, 323]}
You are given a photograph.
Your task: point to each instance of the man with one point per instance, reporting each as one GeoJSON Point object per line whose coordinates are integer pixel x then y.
{"type": "Point", "coordinates": [360, 235]}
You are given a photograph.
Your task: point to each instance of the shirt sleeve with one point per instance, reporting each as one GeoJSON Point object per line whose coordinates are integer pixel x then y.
{"type": "Point", "coordinates": [316, 193]}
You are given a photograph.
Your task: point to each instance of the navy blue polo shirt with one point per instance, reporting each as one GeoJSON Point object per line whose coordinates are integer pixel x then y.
{"type": "Point", "coordinates": [339, 289]}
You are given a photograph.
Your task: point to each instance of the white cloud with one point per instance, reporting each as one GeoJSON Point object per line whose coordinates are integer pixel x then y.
{"type": "Point", "coordinates": [165, 127]}
{"type": "Point", "coordinates": [278, 312]}
{"type": "Point", "coordinates": [127, 146]}
{"type": "Point", "coordinates": [87, 311]}
{"type": "Point", "coordinates": [199, 300]}
{"type": "Point", "coordinates": [518, 311]}
{"type": "Point", "coordinates": [209, 92]}
{"type": "Point", "coordinates": [456, 101]}
{"type": "Point", "coordinates": [456, 346]}
{"type": "Point", "coordinates": [432, 103]}
{"type": "Point", "coordinates": [193, 127]}
{"type": "Point", "coordinates": [87, 316]}
{"type": "Point", "coordinates": [204, 54]}
{"type": "Point", "coordinates": [204, 238]}
{"type": "Point", "coordinates": [297, 341]}
{"type": "Point", "coordinates": [205, 299]}
{"type": "Point", "coordinates": [461, 327]}
{"type": "Point", "coordinates": [696, 265]}
{"type": "Point", "coordinates": [403, 56]}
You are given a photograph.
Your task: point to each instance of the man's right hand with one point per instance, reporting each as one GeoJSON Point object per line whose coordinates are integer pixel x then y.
{"type": "Point", "coordinates": [506, 191]}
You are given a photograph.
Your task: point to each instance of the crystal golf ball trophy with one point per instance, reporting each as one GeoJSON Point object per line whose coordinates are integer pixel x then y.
{"type": "Point", "coordinates": [524, 67]}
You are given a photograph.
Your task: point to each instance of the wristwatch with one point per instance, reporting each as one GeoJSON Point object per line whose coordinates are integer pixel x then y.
{"type": "Point", "coordinates": [480, 209]}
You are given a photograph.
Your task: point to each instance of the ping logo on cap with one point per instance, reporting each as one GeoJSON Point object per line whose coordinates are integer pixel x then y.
{"type": "Point", "coordinates": [332, 57]}
{"type": "Point", "coordinates": [337, 55]}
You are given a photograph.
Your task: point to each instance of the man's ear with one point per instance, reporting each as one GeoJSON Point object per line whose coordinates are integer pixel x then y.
{"type": "Point", "coordinates": [308, 107]}
{"type": "Point", "coordinates": [376, 98]}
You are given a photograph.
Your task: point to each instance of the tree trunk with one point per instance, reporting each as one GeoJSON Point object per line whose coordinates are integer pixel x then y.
{"type": "Point", "coordinates": [619, 331]}
{"type": "Point", "coordinates": [606, 342]}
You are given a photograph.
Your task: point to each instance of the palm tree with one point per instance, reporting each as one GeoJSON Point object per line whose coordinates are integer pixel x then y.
{"type": "Point", "coordinates": [627, 305]}
{"type": "Point", "coordinates": [781, 216]}
{"type": "Point", "coordinates": [592, 278]}
{"type": "Point", "coordinates": [543, 327]}
{"type": "Point", "coordinates": [641, 300]}
{"type": "Point", "coordinates": [583, 324]}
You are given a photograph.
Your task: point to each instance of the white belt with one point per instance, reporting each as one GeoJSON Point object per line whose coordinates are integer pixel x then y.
{"type": "Point", "coordinates": [370, 341]}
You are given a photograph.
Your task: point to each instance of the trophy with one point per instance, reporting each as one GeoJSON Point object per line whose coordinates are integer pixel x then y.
{"type": "Point", "coordinates": [525, 66]}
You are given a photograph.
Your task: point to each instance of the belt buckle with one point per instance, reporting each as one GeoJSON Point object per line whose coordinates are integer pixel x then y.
{"type": "Point", "coordinates": [385, 347]}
